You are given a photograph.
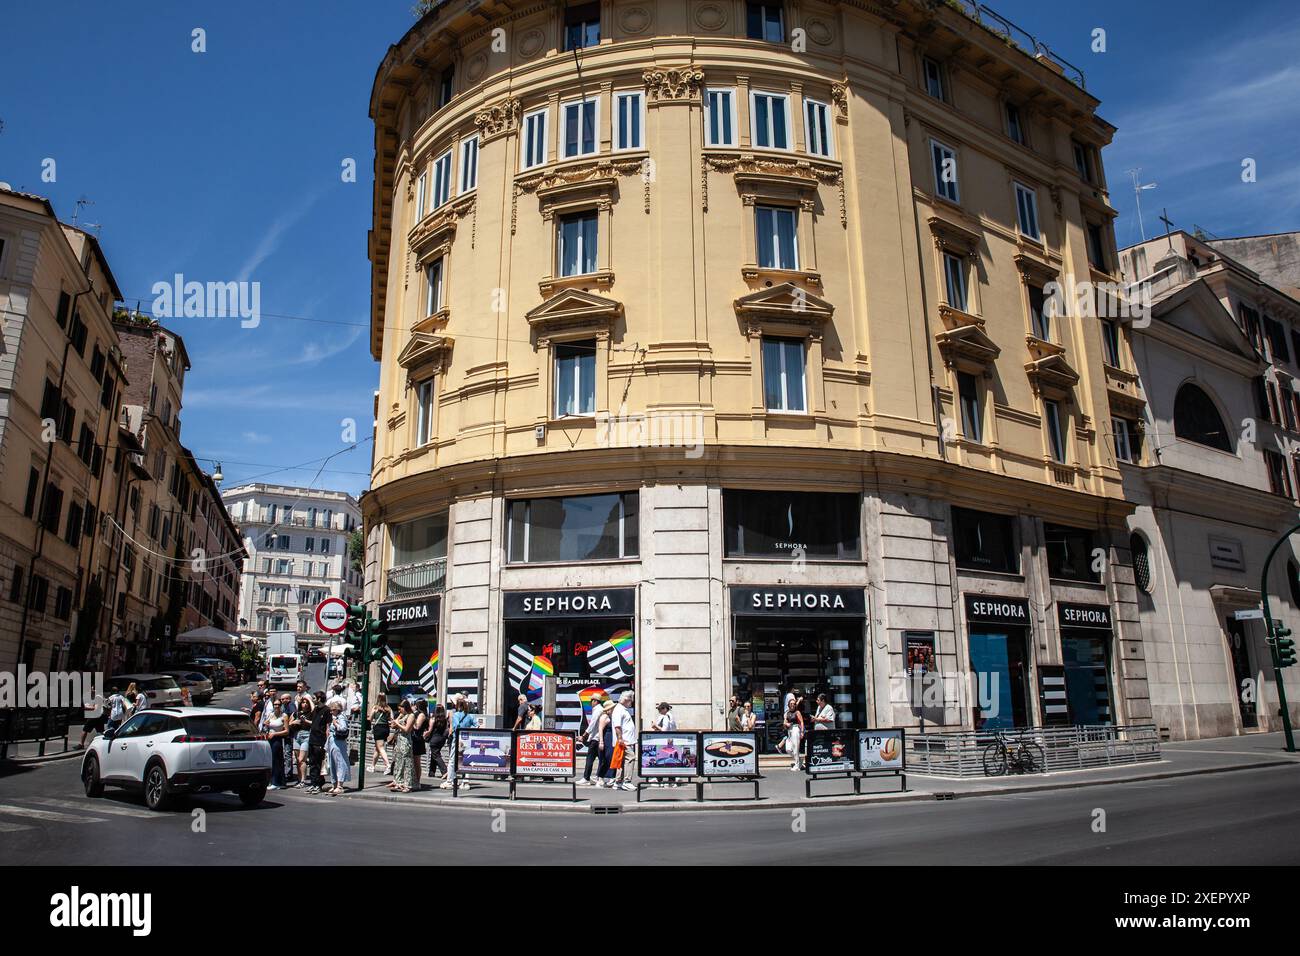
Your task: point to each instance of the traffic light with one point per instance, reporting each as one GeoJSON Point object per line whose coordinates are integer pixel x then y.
{"type": "Point", "coordinates": [357, 617]}
{"type": "Point", "coordinates": [1283, 646]}
{"type": "Point", "coordinates": [376, 640]}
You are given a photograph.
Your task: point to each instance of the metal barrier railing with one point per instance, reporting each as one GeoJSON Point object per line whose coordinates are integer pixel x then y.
{"type": "Point", "coordinates": [38, 724]}
{"type": "Point", "coordinates": [1082, 747]}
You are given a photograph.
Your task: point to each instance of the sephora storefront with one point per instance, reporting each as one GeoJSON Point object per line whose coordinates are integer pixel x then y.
{"type": "Point", "coordinates": [411, 666]}
{"type": "Point", "coordinates": [811, 639]}
{"type": "Point", "coordinates": [997, 629]}
{"type": "Point", "coordinates": [1086, 641]}
{"type": "Point", "coordinates": [582, 638]}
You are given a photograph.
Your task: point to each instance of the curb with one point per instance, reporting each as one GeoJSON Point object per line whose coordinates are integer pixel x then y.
{"type": "Point", "coordinates": [38, 761]}
{"type": "Point", "coordinates": [845, 800]}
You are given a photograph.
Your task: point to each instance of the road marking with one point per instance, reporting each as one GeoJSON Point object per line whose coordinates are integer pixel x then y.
{"type": "Point", "coordinates": [9, 808]}
{"type": "Point", "coordinates": [12, 827]}
{"type": "Point", "coordinates": [113, 809]}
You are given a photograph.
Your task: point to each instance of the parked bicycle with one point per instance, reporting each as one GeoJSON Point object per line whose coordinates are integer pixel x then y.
{"type": "Point", "coordinates": [1013, 755]}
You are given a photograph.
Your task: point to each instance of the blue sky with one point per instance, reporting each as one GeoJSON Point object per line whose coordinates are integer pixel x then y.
{"type": "Point", "coordinates": [225, 165]}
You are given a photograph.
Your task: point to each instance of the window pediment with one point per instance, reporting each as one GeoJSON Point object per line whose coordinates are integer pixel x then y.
{"type": "Point", "coordinates": [425, 350]}
{"type": "Point", "coordinates": [965, 345]}
{"type": "Point", "coordinates": [574, 310]}
{"type": "Point", "coordinates": [953, 235]}
{"type": "Point", "coordinates": [1051, 375]}
{"type": "Point", "coordinates": [433, 235]}
{"type": "Point", "coordinates": [787, 305]}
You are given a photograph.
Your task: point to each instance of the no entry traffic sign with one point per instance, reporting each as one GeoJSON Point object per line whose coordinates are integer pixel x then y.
{"type": "Point", "coordinates": [332, 615]}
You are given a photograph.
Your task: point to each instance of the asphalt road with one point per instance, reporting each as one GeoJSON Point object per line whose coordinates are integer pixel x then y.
{"type": "Point", "coordinates": [1241, 818]}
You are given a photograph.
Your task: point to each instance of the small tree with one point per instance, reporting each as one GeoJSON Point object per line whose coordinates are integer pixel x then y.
{"type": "Point", "coordinates": [357, 549]}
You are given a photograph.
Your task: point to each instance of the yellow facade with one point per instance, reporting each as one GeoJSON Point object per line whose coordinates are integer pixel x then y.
{"type": "Point", "coordinates": [689, 279]}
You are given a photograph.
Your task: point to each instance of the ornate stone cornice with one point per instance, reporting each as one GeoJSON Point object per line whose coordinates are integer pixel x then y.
{"type": "Point", "coordinates": [747, 165]}
{"type": "Point", "coordinates": [673, 84]}
{"type": "Point", "coordinates": [598, 174]}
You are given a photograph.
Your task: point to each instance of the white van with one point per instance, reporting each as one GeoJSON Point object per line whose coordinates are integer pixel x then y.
{"type": "Point", "coordinates": [284, 670]}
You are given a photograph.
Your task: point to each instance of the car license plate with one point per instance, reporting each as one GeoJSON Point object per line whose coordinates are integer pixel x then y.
{"type": "Point", "coordinates": [228, 754]}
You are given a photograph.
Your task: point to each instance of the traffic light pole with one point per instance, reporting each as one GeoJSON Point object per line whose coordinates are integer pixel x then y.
{"type": "Point", "coordinates": [365, 712]}
{"type": "Point", "coordinates": [1273, 639]}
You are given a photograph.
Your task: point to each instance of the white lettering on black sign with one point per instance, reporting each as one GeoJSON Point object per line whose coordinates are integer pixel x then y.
{"type": "Point", "coordinates": [807, 601]}
{"type": "Point", "coordinates": [566, 604]}
{"type": "Point", "coordinates": [1000, 609]}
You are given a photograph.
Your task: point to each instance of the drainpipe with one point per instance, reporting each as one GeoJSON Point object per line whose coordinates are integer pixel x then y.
{"type": "Point", "coordinates": [45, 479]}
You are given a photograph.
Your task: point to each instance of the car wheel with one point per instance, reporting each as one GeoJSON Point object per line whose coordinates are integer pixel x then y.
{"type": "Point", "coordinates": [90, 777]}
{"type": "Point", "coordinates": [253, 794]}
{"type": "Point", "coordinates": [155, 787]}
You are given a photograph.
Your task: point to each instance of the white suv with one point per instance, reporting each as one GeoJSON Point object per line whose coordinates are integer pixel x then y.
{"type": "Point", "coordinates": [165, 751]}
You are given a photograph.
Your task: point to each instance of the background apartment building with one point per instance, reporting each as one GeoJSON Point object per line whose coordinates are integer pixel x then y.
{"type": "Point", "coordinates": [1208, 446]}
{"type": "Point", "coordinates": [61, 377]}
{"type": "Point", "coordinates": [822, 269]}
{"type": "Point", "coordinates": [297, 555]}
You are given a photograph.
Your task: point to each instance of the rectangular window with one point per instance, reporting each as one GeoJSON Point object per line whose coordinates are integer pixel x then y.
{"type": "Point", "coordinates": [954, 276]}
{"type": "Point", "coordinates": [284, 542]}
{"type": "Point", "coordinates": [76, 520]}
{"type": "Point", "coordinates": [442, 179]}
{"type": "Point", "coordinates": [779, 524]}
{"type": "Point", "coordinates": [534, 140]}
{"type": "Point", "coordinates": [783, 375]}
{"type": "Point", "coordinates": [1128, 441]}
{"type": "Point", "coordinates": [468, 165]}
{"type": "Point", "coordinates": [421, 190]}
{"type": "Point", "coordinates": [433, 287]}
{"type": "Point", "coordinates": [578, 128]}
{"type": "Point", "coordinates": [629, 116]}
{"type": "Point", "coordinates": [778, 238]}
{"type": "Point", "coordinates": [1015, 124]}
{"type": "Point", "coordinates": [38, 594]}
{"type": "Point", "coordinates": [720, 118]}
{"type": "Point", "coordinates": [16, 585]}
{"type": "Point", "coordinates": [581, 26]}
{"type": "Point", "coordinates": [575, 378]}
{"type": "Point", "coordinates": [576, 528]}
{"type": "Point", "coordinates": [817, 118]}
{"type": "Point", "coordinates": [423, 539]}
{"type": "Point", "coordinates": [1039, 315]}
{"type": "Point", "coordinates": [1277, 340]}
{"type": "Point", "coordinates": [324, 545]}
{"type": "Point", "coordinates": [1027, 211]}
{"type": "Point", "coordinates": [945, 171]}
{"type": "Point", "coordinates": [1110, 341]}
{"type": "Point", "coordinates": [770, 118]}
{"type": "Point", "coordinates": [52, 507]}
{"type": "Point", "coordinates": [424, 412]}
{"type": "Point", "coordinates": [1096, 247]}
{"type": "Point", "coordinates": [33, 486]}
{"type": "Point", "coordinates": [972, 415]}
{"type": "Point", "coordinates": [1083, 161]}
{"type": "Point", "coordinates": [576, 243]}
{"type": "Point", "coordinates": [984, 541]}
{"type": "Point", "coordinates": [1279, 482]}
{"type": "Point", "coordinates": [765, 21]}
{"type": "Point", "coordinates": [446, 86]}
{"type": "Point", "coordinates": [934, 81]}
{"type": "Point", "coordinates": [309, 545]}
{"type": "Point", "coordinates": [1070, 553]}
{"type": "Point", "coordinates": [1055, 433]}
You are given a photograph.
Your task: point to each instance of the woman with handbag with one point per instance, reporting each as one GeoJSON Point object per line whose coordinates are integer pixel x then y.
{"type": "Point", "coordinates": [419, 727]}
{"type": "Point", "coordinates": [381, 721]}
{"type": "Point", "coordinates": [596, 724]}
{"type": "Point", "coordinates": [340, 771]}
{"type": "Point", "coordinates": [403, 771]}
{"type": "Point", "coordinates": [435, 740]}
{"type": "Point", "coordinates": [611, 753]}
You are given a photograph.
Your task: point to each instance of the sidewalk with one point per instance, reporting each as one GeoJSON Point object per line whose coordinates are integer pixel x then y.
{"type": "Point", "coordinates": [782, 789]}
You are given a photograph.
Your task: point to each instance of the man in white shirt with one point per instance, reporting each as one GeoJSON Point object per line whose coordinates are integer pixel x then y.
{"type": "Point", "coordinates": [625, 730]}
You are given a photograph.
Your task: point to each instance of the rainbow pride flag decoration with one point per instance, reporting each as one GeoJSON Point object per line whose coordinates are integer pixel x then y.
{"type": "Point", "coordinates": [542, 668]}
{"type": "Point", "coordinates": [588, 696]}
{"type": "Point", "coordinates": [622, 642]}
{"type": "Point", "coordinates": [393, 665]}
{"type": "Point", "coordinates": [429, 674]}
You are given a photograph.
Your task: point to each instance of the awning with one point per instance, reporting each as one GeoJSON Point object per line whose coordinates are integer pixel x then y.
{"type": "Point", "coordinates": [208, 635]}
{"type": "Point", "coordinates": [337, 650]}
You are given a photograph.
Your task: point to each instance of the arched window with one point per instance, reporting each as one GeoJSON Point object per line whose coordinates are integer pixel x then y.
{"type": "Point", "coordinates": [1196, 419]}
{"type": "Point", "coordinates": [1141, 562]}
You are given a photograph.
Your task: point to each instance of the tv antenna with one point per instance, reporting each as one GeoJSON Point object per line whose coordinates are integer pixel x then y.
{"type": "Point", "coordinates": [1138, 187]}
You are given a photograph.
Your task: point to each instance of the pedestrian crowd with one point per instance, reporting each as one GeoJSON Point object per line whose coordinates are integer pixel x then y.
{"type": "Point", "coordinates": [308, 733]}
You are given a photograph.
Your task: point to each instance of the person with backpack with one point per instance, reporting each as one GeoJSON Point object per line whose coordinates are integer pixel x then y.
{"type": "Point", "coordinates": [436, 739]}
{"type": "Point", "coordinates": [117, 708]}
{"type": "Point", "coordinates": [594, 739]}
{"type": "Point", "coordinates": [461, 720]}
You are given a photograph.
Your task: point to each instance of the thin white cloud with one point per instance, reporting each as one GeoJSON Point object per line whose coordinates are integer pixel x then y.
{"type": "Point", "coordinates": [275, 233]}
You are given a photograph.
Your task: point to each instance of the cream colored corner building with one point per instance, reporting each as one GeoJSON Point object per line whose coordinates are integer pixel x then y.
{"type": "Point", "coordinates": [762, 314]}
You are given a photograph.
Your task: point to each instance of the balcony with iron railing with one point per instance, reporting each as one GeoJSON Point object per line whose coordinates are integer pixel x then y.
{"type": "Point", "coordinates": [417, 580]}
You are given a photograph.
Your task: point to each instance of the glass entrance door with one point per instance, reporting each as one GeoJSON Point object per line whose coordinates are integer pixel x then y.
{"type": "Point", "coordinates": [1238, 644]}
{"type": "Point", "coordinates": [1087, 677]}
{"type": "Point", "coordinates": [999, 664]}
{"type": "Point", "coordinates": [810, 656]}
